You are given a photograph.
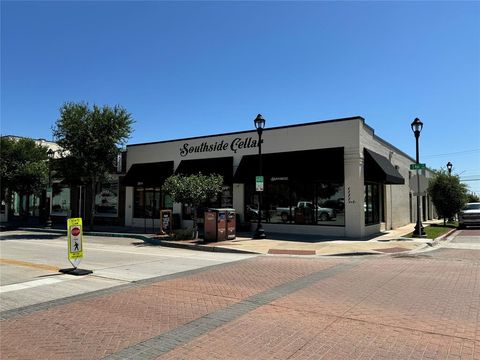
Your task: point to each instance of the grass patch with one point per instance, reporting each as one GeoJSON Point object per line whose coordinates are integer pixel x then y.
{"type": "Point", "coordinates": [435, 230]}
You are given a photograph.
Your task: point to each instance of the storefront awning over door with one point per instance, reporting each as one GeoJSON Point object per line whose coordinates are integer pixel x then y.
{"type": "Point", "coordinates": [379, 168]}
{"type": "Point", "coordinates": [315, 165]}
{"type": "Point", "coordinates": [221, 166]}
{"type": "Point", "coordinates": [148, 174]}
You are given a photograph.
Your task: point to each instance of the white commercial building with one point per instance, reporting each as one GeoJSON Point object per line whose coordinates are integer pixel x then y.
{"type": "Point", "coordinates": [333, 178]}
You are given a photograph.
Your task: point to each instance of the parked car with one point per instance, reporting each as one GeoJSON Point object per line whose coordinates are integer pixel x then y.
{"type": "Point", "coordinates": [323, 214]}
{"type": "Point", "coordinates": [469, 215]}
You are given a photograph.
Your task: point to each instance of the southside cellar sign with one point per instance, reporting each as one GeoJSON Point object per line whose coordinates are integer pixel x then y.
{"type": "Point", "coordinates": [235, 145]}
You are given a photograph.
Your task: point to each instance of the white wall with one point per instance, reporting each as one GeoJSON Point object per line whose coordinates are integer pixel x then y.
{"type": "Point", "coordinates": [352, 134]}
{"type": "Point", "coordinates": [321, 135]}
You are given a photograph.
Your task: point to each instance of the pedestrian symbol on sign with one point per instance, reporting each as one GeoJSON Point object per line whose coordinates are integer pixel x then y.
{"type": "Point", "coordinates": [75, 248]}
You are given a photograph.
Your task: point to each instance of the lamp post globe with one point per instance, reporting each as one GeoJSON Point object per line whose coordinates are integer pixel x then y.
{"type": "Point", "coordinates": [449, 168]}
{"type": "Point", "coordinates": [259, 123]}
{"type": "Point", "coordinates": [417, 126]}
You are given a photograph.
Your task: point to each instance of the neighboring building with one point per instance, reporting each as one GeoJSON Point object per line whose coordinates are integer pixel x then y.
{"type": "Point", "coordinates": [334, 178]}
{"type": "Point", "coordinates": [62, 200]}
{"type": "Point", "coordinates": [33, 205]}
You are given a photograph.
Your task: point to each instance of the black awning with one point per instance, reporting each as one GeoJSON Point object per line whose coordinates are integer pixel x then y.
{"type": "Point", "coordinates": [315, 165]}
{"type": "Point", "coordinates": [221, 166]}
{"type": "Point", "coordinates": [379, 168]}
{"type": "Point", "coordinates": [148, 174]}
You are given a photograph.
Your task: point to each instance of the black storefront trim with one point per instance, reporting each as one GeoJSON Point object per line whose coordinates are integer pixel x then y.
{"type": "Point", "coordinates": [221, 166]}
{"type": "Point", "coordinates": [148, 174]}
{"type": "Point", "coordinates": [379, 168]}
{"type": "Point", "coordinates": [306, 165]}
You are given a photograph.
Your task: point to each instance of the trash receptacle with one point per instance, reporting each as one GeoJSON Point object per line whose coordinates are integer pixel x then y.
{"type": "Point", "coordinates": [219, 224]}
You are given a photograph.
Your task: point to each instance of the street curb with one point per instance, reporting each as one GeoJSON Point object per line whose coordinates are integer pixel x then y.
{"type": "Point", "coordinates": [446, 235]}
{"type": "Point", "coordinates": [147, 239]}
{"type": "Point", "coordinates": [89, 233]}
{"type": "Point", "coordinates": [199, 247]}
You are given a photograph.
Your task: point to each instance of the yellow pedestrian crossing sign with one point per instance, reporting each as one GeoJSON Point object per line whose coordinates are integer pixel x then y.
{"type": "Point", "coordinates": [75, 239]}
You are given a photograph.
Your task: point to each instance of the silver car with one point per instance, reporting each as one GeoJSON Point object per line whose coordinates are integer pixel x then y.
{"type": "Point", "coordinates": [469, 215]}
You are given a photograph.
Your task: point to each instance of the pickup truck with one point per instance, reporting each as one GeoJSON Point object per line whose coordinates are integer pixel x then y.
{"type": "Point", "coordinates": [323, 214]}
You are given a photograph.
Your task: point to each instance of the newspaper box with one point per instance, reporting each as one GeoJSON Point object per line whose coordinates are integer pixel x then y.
{"type": "Point", "coordinates": [219, 224]}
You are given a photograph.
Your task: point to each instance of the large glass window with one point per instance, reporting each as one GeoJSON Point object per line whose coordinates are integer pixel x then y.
{"type": "Point", "coordinates": [288, 201]}
{"type": "Point", "coordinates": [371, 204]}
{"type": "Point", "coordinates": [148, 201]}
{"type": "Point", "coordinates": [24, 205]}
{"type": "Point", "coordinates": [224, 200]}
{"type": "Point", "coordinates": [106, 199]}
{"type": "Point", "coordinates": [61, 200]}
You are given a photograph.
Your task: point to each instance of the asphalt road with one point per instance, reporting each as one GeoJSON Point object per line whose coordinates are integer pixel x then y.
{"type": "Point", "coordinates": [29, 264]}
{"type": "Point", "coordinates": [423, 305]}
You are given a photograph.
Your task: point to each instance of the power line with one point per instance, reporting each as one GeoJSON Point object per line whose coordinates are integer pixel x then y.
{"type": "Point", "coordinates": [453, 153]}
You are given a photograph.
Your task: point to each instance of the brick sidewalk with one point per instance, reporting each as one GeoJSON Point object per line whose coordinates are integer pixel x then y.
{"type": "Point", "coordinates": [269, 308]}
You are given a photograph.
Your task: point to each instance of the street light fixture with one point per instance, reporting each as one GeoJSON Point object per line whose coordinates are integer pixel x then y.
{"type": "Point", "coordinates": [449, 167]}
{"type": "Point", "coordinates": [259, 125]}
{"type": "Point", "coordinates": [417, 127]}
{"type": "Point", "coordinates": [51, 155]}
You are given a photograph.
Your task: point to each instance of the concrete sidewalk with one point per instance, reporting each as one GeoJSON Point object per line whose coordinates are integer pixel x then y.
{"type": "Point", "coordinates": [392, 241]}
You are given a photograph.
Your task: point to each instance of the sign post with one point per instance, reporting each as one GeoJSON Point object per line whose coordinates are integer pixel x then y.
{"type": "Point", "coordinates": [75, 247]}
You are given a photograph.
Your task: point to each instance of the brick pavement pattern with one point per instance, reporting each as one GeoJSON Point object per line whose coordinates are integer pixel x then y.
{"type": "Point", "coordinates": [425, 307]}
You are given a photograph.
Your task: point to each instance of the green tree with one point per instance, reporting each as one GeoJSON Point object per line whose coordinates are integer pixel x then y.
{"type": "Point", "coordinates": [471, 197]}
{"type": "Point", "coordinates": [193, 190]}
{"type": "Point", "coordinates": [23, 167]}
{"type": "Point", "coordinates": [91, 139]}
{"type": "Point", "coordinates": [448, 194]}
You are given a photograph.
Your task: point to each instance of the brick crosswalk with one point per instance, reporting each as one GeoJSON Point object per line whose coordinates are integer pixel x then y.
{"type": "Point", "coordinates": [268, 307]}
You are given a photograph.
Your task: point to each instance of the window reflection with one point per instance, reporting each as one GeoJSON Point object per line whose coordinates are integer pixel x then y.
{"type": "Point", "coordinates": [297, 202]}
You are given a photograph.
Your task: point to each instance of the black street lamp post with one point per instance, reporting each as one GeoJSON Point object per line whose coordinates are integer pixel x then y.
{"type": "Point", "coordinates": [50, 154]}
{"type": "Point", "coordinates": [259, 125]}
{"type": "Point", "coordinates": [449, 168]}
{"type": "Point", "coordinates": [417, 127]}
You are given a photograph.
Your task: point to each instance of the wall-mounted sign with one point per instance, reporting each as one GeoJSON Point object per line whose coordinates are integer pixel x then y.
{"type": "Point", "coordinates": [217, 146]}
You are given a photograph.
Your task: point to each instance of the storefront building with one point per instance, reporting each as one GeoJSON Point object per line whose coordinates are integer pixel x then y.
{"type": "Point", "coordinates": [332, 178]}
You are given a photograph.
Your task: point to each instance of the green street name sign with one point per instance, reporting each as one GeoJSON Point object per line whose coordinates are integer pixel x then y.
{"type": "Point", "coordinates": [417, 166]}
{"type": "Point", "coordinates": [258, 183]}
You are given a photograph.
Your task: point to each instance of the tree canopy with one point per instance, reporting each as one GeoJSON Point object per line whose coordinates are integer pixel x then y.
{"type": "Point", "coordinates": [193, 190]}
{"type": "Point", "coordinates": [23, 165]}
{"type": "Point", "coordinates": [448, 194]}
{"type": "Point", "coordinates": [91, 139]}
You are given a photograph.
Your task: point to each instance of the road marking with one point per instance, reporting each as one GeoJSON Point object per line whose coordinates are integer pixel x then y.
{"type": "Point", "coordinates": [29, 284]}
{"type": "Point", "coordinates": [29, 264]}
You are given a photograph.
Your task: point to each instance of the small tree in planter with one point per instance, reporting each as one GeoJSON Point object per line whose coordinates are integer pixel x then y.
{"type": "Point", "coordinates": [193, 190]}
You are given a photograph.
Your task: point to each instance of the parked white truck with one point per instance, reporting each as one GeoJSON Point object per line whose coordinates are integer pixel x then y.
{"type": "Point", "coordinates": [322, 213]}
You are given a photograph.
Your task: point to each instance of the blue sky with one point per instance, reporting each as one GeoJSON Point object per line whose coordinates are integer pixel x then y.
{"type": "Point", "coordinates": [198, 68]}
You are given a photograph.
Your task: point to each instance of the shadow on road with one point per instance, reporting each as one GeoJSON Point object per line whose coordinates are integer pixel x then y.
{"type": "Point", "coordinates": [30, 236]}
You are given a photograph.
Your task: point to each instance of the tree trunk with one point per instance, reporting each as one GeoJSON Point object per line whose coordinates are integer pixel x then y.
{"type": "Point", "coordinates": [92, 204]}
{"type": "Point", "coordinates": [195, 230]}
